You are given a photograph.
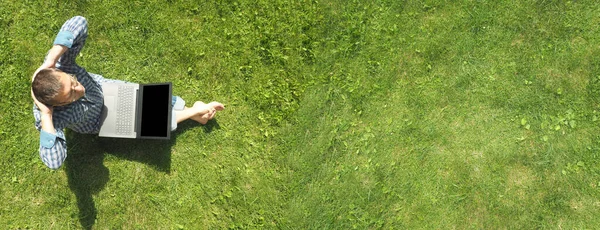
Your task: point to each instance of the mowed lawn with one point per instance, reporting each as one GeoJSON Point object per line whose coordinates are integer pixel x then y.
{"type": "Point", "coordinates": [339, 115]}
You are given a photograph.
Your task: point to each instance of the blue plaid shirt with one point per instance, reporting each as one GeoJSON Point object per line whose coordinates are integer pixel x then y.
{"type": "Point", "coordinates": [83, 115]}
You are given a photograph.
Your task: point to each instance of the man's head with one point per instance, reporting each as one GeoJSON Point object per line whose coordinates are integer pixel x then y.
{"type": "Point", "coordinates": [56, 88]}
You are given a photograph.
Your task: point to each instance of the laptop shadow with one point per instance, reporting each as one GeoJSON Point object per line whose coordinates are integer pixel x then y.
{"type": "Point", "coordinates": [87, 175]}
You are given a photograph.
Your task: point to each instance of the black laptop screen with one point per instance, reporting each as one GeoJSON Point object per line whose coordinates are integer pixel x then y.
{"type": "Point", "coordinates": [156, 104]}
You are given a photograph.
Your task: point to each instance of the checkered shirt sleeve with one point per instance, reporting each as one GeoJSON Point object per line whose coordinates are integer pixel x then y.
{"type": "Point", "coordinates": [53, 147]}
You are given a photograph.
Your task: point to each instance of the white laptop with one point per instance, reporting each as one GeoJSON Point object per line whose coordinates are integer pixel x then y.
{"type": "Point", "coordinates": [136, 110]}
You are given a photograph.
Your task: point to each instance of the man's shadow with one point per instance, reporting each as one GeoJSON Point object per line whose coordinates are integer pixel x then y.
{"type": "Point", "coordinates": [85, 169]}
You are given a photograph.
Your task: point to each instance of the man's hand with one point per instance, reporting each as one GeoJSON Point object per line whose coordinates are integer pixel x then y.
{"type": "Point", "coordinates": [44, 109]}
{"type": "Point", "coordinates": [53, 55]}
{"type": "Point", "coordinates": [48, 64]}
{"type": "Point", "coordinates": [45, 115]}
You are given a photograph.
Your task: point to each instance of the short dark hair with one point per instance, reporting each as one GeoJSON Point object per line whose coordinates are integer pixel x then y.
{"type": "Point", "coordinates": [46, 85]}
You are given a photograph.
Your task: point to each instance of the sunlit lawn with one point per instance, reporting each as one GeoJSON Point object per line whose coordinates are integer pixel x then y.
{"type": "Point", "coordinates": [339, 115]}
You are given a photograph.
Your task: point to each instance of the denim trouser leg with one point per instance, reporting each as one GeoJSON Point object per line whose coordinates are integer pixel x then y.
{"type": "Point", "coordinates": [178, 105]}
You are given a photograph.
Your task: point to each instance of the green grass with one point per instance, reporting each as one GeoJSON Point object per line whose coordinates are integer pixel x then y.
{"type": "Point", "coordinates": [339, 115]}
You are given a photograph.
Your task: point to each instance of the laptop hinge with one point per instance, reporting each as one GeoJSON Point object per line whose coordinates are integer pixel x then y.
{"type": "Point", "coordinates": [138, 112]}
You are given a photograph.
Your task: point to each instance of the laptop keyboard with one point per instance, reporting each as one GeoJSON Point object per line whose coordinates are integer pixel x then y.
{"type": "Point", "coordinates": [125, 110]}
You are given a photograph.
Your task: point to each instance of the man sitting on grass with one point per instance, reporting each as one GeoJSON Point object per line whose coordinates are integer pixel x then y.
{"type": "Point", "coordinates": [65, 95]}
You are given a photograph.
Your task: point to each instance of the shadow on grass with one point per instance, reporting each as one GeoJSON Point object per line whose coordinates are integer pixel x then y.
{"type": "Point", "coordinates": [87, 174]}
